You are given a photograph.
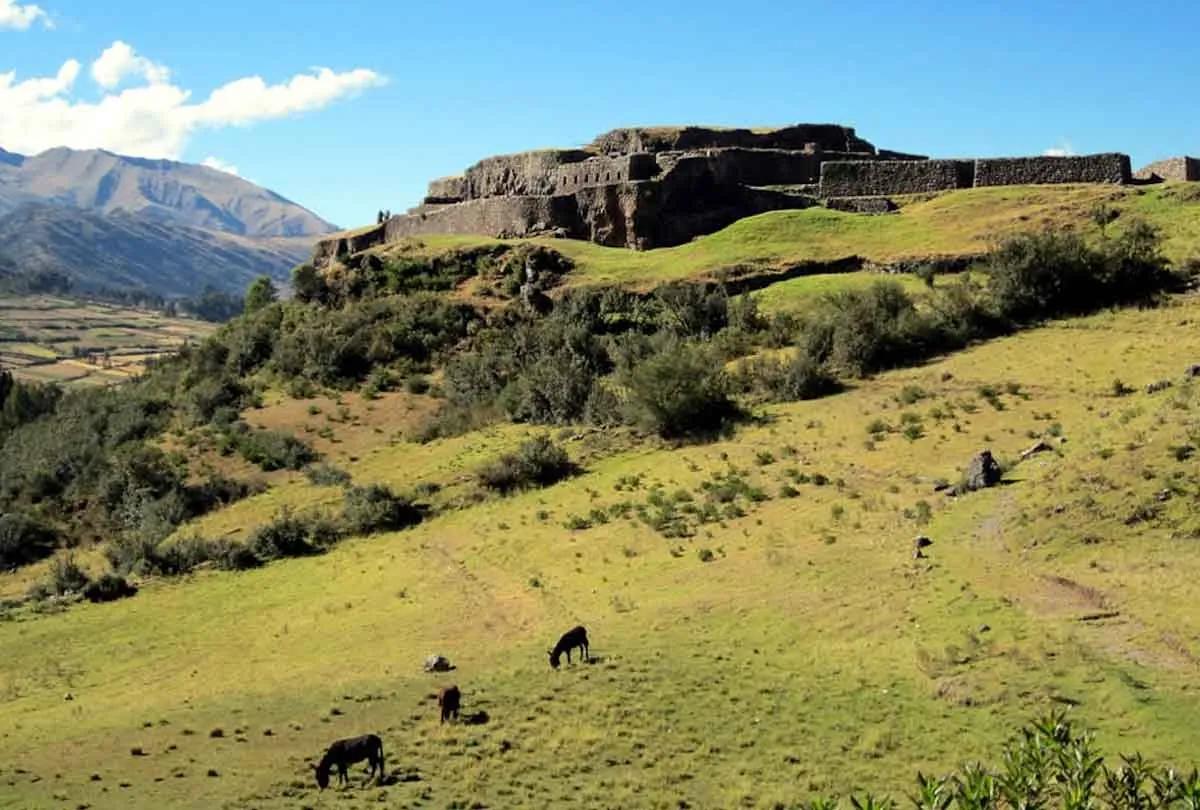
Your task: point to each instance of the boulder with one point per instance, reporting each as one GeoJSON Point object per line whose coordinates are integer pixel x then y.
{"type": "Point", "coordinates": [1155, 387]}
{"type": "Point", "coordinates": [1193, 371]}
{"type": "Point", "coordinates": [983, 472]}
{"type": "Point", "coordinates": [437, 663]}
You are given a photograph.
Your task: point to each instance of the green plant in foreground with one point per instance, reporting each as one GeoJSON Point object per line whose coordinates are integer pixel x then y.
{"type": "Point", "coordinates": [1047, 765]}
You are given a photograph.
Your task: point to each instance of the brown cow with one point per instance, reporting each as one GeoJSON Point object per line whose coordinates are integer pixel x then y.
{"type": "Point", "coordinates": [449, 699]}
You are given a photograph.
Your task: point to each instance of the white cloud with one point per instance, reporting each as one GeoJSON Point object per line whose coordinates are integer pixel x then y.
{"type": "Point", "coordinates": [154, 118]}
{"type": "Point", "coordinates": [119, 62]}
{"type": "Point", "coordinates": [1065, 150]}
{"type": "Point", "coordinates": [221, 166]}
{"type": "Point", "coordinates": [17, 17]}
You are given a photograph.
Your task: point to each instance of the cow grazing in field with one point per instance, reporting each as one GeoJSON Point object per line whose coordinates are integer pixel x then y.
{"type": "Point", "coordinates": [449, 699]}
{"type": "Point", "coordinates": [347, 752]}
{"type": "Point", "coordinates": [575, 638]}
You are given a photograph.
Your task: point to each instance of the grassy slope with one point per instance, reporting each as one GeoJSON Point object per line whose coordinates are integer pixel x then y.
{"type": "Point", "coordinates": [812, 654]}
{"type": "Point", "coordinates": [955, 223]}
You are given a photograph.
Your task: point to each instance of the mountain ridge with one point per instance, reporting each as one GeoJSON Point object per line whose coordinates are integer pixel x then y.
{"type": "Point", "coordinates": [185, 193]}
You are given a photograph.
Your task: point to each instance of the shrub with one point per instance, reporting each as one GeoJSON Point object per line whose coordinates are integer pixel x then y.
{"type": "Point", "coordinates": [375, 508]}
{"type": "Point", "coordinates": [66, 576]}
{"type": "Point", "coordinates": [271, 449]}
{"type": "Point", "coordinates": [109, 587]}
{"type": "Point", "coordinates": [537, 463]}
{"type": "Point", "coordinates": [292, 535]}
{"type": "Point", "coordinates": [24, 540]}
{"type": "Point", "coordinates": [327, 475]}
{"type": "Point", "coordinates": [796, 379]}
{"type": "Point", "coordinates": [681, 391]}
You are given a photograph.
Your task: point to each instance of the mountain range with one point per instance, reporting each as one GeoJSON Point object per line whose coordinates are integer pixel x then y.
{"type": "Point", "coordinates": [107, 220]}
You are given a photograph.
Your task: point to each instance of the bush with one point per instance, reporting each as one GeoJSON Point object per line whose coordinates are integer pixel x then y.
{"type": "Point", "coordinates": [537, 463]}
{"type": "Point", "coordinates": [327, 475]}
{"type": "Point", "coordinates": [796, 379]}
{"type": "Point", "coordinates": [24, 540]}
{"type": "Point", "coordinates": [375, 508]}
{"type": "Point", "coordinates": [66, 576]}
{"type": "Point", "coordinates": [271, 449]}
{"type": "Point", "coordinates": [292, 535]}
{"type": "Point", "coordinates": [681, 391]}
{"type": "Point", "coordinates": [109, 587]}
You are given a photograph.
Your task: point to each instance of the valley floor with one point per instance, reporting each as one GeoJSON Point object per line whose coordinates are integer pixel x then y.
{"type": "Point", "coordinates": [795, 650]}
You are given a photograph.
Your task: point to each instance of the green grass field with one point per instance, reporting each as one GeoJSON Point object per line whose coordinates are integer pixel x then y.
{"type": "Point", "coordinates": [965, 222]}
{"type": "Point", "coordinates": [789, 649]}
{"type": "Point", "coordinates": [39, 333]}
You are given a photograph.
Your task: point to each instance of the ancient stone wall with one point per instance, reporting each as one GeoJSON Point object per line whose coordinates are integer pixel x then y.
{"type": "Point", "coordinates": [1103, 168]}
{"type": "Point", "coordinates": [884, 177]}
{"type": "Point", "coordinates": [494, 216]}
{"type": "Point", "coordinates": [528, 173]}
{"type": "Point", "coordinates": [1177, 168]}
{"type": "Point", "coordinates": [599, 171]}
{"type": "Point", "coordinates": [447, 190]}
{"type": "Point", "coordinates": [830, 137]}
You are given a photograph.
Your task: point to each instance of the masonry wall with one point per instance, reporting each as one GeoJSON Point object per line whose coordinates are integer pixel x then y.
{"type": "Point", "coordinates": [831, 137]}
{"type": "Point", "coordinates": [447, 190]}
{"type": "Point", "coordinates": [600, 171]}
{"type": "Point", "coordinates": [494, 216]}
{"type": "Point", "coordinates": [1103, 168]}
{"type": "Point", "coordinates": [884, 177]}
{"type": "Point", "coordinates": [1177, 168]}
{"type": "Point", "coordinates": [524, 174]}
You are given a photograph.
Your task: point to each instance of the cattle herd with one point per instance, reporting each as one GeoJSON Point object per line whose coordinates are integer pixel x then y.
{"type": "Point", "coordinates": [369, 747]}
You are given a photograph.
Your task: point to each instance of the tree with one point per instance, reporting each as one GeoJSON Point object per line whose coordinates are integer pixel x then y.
{"type": "Point", "coordinates": [262, 293]}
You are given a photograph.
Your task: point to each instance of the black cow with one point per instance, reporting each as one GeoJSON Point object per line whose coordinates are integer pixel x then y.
{"type": "Point", "coordinates": [449, 699]}
{"type": "Point", "coordinates": [348, 752]}
{"type": "Point", "coordinates": [575, 638]}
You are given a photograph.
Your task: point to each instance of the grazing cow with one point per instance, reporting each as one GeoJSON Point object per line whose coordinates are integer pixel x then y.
{"type": "Point", "coordinates": [348, 752]}
{"type": "Point", "coordinates": [449, 699]}
{"type": "Point", "coordinates": [575, 638]}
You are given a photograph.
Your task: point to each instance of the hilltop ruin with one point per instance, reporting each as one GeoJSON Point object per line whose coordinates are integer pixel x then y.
{"type": "Point", "coordinates": [649, 187]}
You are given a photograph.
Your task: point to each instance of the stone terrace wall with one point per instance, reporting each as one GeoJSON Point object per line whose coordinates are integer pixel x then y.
{"type": "Point", "coordinates": [1104, 168]}
{"type": "Point", "coordinates": [600, 171]}
{"type": "Point", "coordinates": [495, 216]}
{"type": "Point", "coordinates": [447, 190]}
{"type": "Point", "coordinates": [524, 174]}
{"type": "Point", "coordinates": [830, 137]}
{"type": "Point", "coordinates": [1177, 168]}
{"type": "Point", "coordinates": [884, 177]}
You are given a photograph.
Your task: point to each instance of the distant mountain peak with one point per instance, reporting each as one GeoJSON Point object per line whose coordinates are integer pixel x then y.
{"type": "Point", "coordinates": [170, 191]}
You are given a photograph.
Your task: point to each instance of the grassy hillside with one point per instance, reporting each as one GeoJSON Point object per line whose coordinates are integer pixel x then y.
{"type": "Point", "coordinates": [48, 339]}
{"type": "Point", "coordinates": [955, 223]}
{"type": "Point", "coordinates": [809, 654]}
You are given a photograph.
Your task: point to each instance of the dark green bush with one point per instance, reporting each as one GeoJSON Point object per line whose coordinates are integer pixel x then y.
{"type": "Point", "coordinates": [66, 576]}
{"type": "Point", "coordinates": [271, 449]}
{"type": "Point", "coordinates": [795, 379]}
{"type": "Point", "coordinates": [327, 475]}
{"type": "Point", "coordinates": [108, 587]}
{"type": "Point", "coordinates": [293, 535]}
{"type": "Point", "coordinates": [681, 391]}
{"type": "Point", "coordinates": [24, 540]}
{"type": "Point", "coordinates": [537, 463]}
{"type": "Point", "coordinates": [376, 508]}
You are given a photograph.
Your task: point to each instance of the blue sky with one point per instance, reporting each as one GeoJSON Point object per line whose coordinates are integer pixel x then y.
{"type": "Point", "coordinates": [442, 84]}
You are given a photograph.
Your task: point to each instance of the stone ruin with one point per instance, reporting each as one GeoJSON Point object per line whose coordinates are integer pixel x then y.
{"type": "Point", "coordinates": [650, 187]}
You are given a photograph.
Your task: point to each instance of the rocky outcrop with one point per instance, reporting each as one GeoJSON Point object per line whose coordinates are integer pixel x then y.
{"type": "Point", "coordinates": [1176, 168]}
